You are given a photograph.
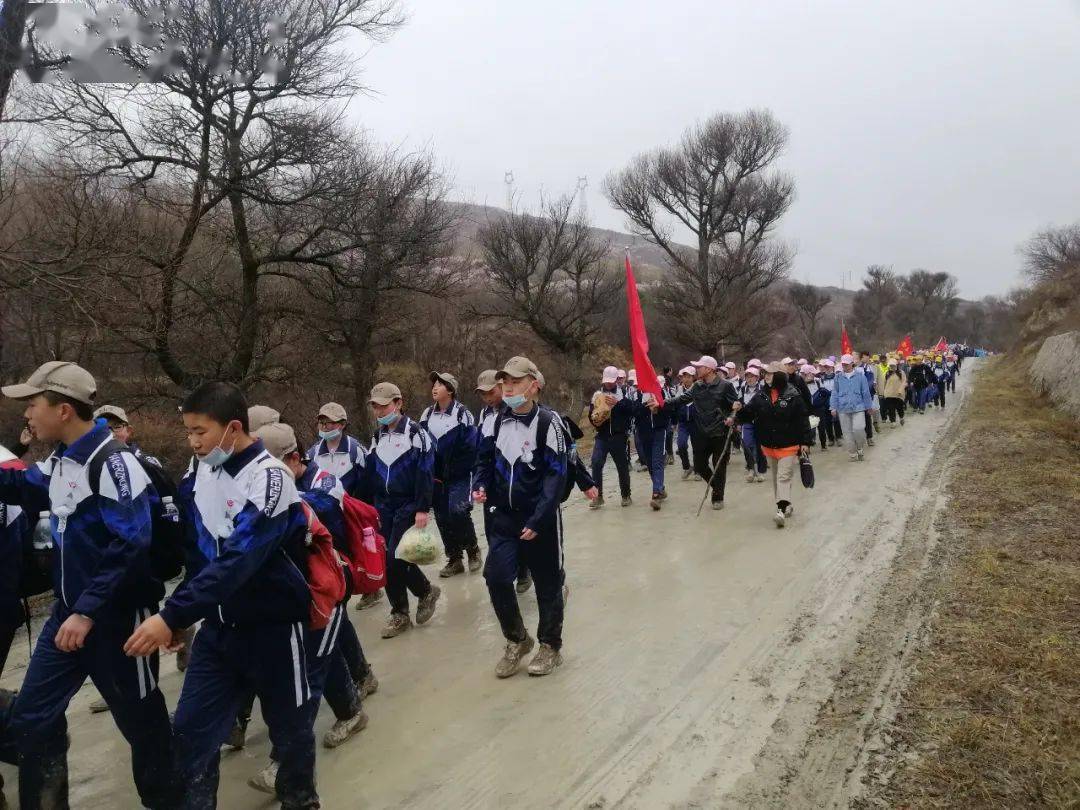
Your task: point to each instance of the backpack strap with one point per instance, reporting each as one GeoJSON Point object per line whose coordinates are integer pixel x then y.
{"type": "Point", "coordinates": [97, 461]}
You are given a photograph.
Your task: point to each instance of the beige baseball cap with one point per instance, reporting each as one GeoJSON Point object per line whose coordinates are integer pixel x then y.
{"type": "Point", "coordinates": [259, 415]}
{"type": "Point", "coordinates": [487, 380]}
{"type": "Point", "coordinates": [278, 439]}
{"type": "Point", "coordinates": [384, 393]}
{"type": "Point", "coordinates": [114, 411]}
{"type": "Point", "coordinates": [334, 412]}
{"type": "Point", "coordinates": [446, 378]}
{"type": "Point", "coordinates": [60, 376]}
{"type": "Point", "coordinates": [519, 367]}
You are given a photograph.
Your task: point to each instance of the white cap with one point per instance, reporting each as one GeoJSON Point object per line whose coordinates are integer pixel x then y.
{"type": "Point", "coordinates": [755, 362]}
{"type": "Point", "coordinates": [611, 374]}
{"type": "Point", "coordinates": [686, 370]}
{"type": "Point", "coordinates": [632, 375]}
{"type": "Point", "coordinates": [787, 361]}
{"type": "Point", "coordinates": [754, 370]}
{"type": "Point", "coordinates": [622, 372]}
{"type": "Point", "coordinates": [729, 366]}
{"type": "Point", "coordinates": [847, 360]}
{"type": "Point", "coordinates": [828, 363]}
{"type": "Point", "coordinates": [705, 362]}
{"type": "Point", "coordinates": [807, 369]}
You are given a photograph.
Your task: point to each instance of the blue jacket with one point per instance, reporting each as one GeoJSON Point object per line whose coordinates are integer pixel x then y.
{"type": "Point", "coordinates": [249, 564]}
{"type": "Point", "coordinates": [347, 463]}
{"type": "Point", "coordinates": [101, 530]}
{"type": "Point", "coordinates": [454, 431]}
{"type": "Point", "coordinates": [518, 476]}
{"type": "Point", "coordinates": [646, 419]}
{"type": "Point", "coordinates": [401, 465]}
{"type": "Point", "coordinates": [851, 394]}
{"type": "Point", "coordinates": [820, 397]}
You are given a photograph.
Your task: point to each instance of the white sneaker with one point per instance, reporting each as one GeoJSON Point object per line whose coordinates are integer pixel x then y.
{"type": "Point", "coordinates": [750, 476]}
{"type": "Point", "coordinates": [859, 453]}
{"type": "Point", "coordinates": [789, 510]}
{"type": "Point", "coordinates": [344, 730]}
{"type": "Point", "coordinates": [264, 780]}
{"type": "Point", "coordinates": [760, 477]}
{"type": "Point", "coordinates": [779, 519]}
{"type": "Point", "coordinates": [853, 456]}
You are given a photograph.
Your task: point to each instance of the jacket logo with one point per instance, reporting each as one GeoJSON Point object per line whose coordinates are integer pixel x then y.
{"type": "Point", "coordinates": [230, 503]}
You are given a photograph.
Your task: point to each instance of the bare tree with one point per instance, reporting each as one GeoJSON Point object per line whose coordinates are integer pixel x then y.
{"type": "Point", "coordinates": [1052, 253]}
{"type": "Point", "coordinates": [880, 291]}
{"type": "Point", "coordinates": [927, 304]}
{"type": "Point", "coordinates": [548, 273]}
{"type": "Point", "coordinates": [715, 187]}
{"type": "Point", "coordinates": [808, 303]}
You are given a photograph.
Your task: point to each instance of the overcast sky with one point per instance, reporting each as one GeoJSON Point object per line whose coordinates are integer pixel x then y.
{"type": "Point", "coordinates": [923, 133]}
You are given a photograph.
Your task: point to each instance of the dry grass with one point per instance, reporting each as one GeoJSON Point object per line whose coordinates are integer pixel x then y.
{"type": "Point", "coordinates": [993, 714]}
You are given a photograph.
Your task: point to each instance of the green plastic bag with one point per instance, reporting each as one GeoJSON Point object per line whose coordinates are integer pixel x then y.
{"type": "Point", "coordinates": [420, 546]}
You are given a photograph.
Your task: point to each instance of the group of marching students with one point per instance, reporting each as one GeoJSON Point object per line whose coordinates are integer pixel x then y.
{"type": "Point", "coordinates": [774, 413]}
{"type": "Point", "coordinates": [273, 540]}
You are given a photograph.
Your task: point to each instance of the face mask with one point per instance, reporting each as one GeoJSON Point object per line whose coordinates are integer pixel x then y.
{"type": "Point", "coordinates": [514, 401]}
{"type": "Point", "coordinates": [388, 419]}
{"type": "Point", "coordinates": [327, 435]}
{"type": "Point", "coordinates": [219, 455]}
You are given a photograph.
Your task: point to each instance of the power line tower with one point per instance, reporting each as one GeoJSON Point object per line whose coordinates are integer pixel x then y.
{"type": "Point", "coordinates": [508, 178]}
{"type": "Point", "coordinates": [583, 202]}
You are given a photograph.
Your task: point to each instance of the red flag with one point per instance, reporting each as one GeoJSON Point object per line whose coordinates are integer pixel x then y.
{"type": "Point", "coordinates": [639, 340]}
{"type": "Point", "coordinates": [942, 346]}
{"type": "Point", "coordinates": [845, 341]}
{"type": "Point", "coordinates": [905, 348]}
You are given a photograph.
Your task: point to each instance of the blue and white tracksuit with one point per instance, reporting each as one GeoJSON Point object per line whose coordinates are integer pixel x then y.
{"type": "Point", "coordinates": [401, 468]}
{"type": "Point", "coordinates": [455, 434]}
{"type": "Point", "coordinates": [524, 485]}
{"type": "Point", "coordinates": [752, 452]}
{"type": "Point", "coordinates": [101, 569]}
{"type": "Point", "coordinates": [246, 579]}
{"type": "Point", "coordinates": [346, 463]}
{"type": "Point", "coordinates": [651, 435]}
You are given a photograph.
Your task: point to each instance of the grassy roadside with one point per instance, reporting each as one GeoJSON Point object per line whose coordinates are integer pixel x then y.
{"type": "Point", "coordinates": [991, 717]}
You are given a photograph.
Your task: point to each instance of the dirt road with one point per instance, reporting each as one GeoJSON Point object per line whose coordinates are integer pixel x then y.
{"type": "Point", "coordinates": [694, 648]}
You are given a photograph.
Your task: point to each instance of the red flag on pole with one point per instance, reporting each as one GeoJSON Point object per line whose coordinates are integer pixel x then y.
{"type": "Point", "coordinates": [639, 340]}
{"type": "Point", "coordinates": [905, 348]}
{"type": "Point", "coordinates": [942, 346]}
{"type": "Point", "coordinates": [845, 341]}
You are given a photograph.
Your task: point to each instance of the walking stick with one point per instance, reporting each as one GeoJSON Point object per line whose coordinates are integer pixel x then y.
{"type": "Point", "coordinates": [719, 461]}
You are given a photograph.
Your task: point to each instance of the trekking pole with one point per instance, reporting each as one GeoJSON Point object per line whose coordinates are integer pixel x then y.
{"type": "Point", "coordinates": [719, 461]}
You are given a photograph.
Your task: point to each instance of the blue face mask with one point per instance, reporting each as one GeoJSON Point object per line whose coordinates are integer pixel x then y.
{"type": "Point", "coordinates": [514, 401]}
{"type": "Point", "coordinates": [388, 419]}
{"type": "Point", "coordinates": [219, 455]}
{"type": "Point", "coordinates": [327, 435]}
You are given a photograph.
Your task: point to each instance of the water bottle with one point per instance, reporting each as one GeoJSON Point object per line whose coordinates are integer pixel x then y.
{"type": "Point", "coordinates": [43, 539]}
{"type": "Point", "coordinates": [169, 509]}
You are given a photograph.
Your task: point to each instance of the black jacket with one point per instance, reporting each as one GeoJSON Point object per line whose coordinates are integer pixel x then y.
{"type": "Point", "coordinates": [712, 405]}
{"type": "Point", "coordinates": [921, 376]}
{"type": "Point", "coordinates": [784, 423]}
{"type": "Point", "coordinates": [803, 389]}
{"type": "Point", "coordinates": [621, 414]}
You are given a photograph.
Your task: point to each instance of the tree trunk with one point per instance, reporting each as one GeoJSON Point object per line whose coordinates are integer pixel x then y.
{"type": "Point", "coordinates": [12, 28]}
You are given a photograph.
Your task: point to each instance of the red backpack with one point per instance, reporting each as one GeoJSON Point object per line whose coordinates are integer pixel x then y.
{"type": "Point", "coordinates": [367, 548]}
{"type": "Point", "coordinates": [325, 578]}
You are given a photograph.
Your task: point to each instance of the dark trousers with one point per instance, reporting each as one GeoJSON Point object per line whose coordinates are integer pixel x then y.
{"type": "Point", "coordinates": [712, 452]}
{"type": "Point", "coordinates": [402, 577]}
{"type": "Point", "coordinates": [891, 408]}
{"type": "Point", "coordinates": [837, 429]}
{"type": "Point", "coordinates": [614, 445]}
{"type": "Point", "coordinates": [38, 727]}
{"type": "Point", "coordinates": [869, 426]}
{"type": "Point", "coordinates": [7, 638]}
{"type": "Point", "coordinates": [456, 527]}
{"type": "Point", "coordinates": [826, 429]}
{"type": "Point", "coordinates": [638, 444]}
{"type": "Point", "coordinates": [544, 557]}
{"type": "Point", "coordinates": [952, 383]}
{"type": "Point", "coordinates": [226, 663]}
{"type": "Point", "coordinates": [653, 451]}
{"type": "Point", "coordinates": [669, 441]}
{"type": "Point", "coordinates": [752, 453]}
{"type": "Point", "coordinates": [939, 395]}
{"type": "Point", "coordinates": [683, 444]}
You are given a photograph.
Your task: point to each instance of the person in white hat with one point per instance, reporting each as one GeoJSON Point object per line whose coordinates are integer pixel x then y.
{"type": "Point", "coordinates": [117, 420]}
{"type": "Point", "coordinates": [401, 465]}
{"type": "Point", "coordinates": [791, 369]}
{"type": "Point", "coordinates": [850, 401]}
{"type": "Point", "coordinates": [819, 402]}
{"type": "Point", "coordinates": [893, 390]}
{"type": "Point", "coordinates": [610, 412]}
{"type": "Point", "coordinates": [98, 501]}
{"type": "Point", "coordinates": [455, 434]}
{"type": "Point", "coordinates": [652, 424]}
{"type": "Point", "coordinates": [756, 463]}
{"type": "Point", "coordinates": [521, 478]}
{"type": "Point", "coordinates": [684, 417]}
{"type": "Point", "coordinates": [338, 453]}
{"type": "Point", "coordinates": [712, 398]}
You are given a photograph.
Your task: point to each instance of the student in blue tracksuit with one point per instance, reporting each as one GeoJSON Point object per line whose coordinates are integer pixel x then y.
{"type": "Point", "coordinates": [341, 455]}
{"type": "Point", "coordinates": [520, 478]}
{"type": "Point", "coordinates": [99, 500]}
{"type": "Point", "coordinates": [401, 478]}
{"type": "Point", "coordinates": [611, 433]}
{"type": "Point", "coordinates": [454, 431]}
{"type": "Point", "coordinates": [652, 426]}
{"type": "Point", "coordinates": [941, 381]}
{"type": "Point", "coordinates": [684, 419]}
{"type": "Point", "coordinates": [756, 463]}
{"type": "Point", "coordinates": [246, 580]}
{"type": "Point", "coordinates": [14, 528]}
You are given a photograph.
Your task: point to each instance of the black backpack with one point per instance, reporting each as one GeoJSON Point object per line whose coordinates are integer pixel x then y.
{"type": "Point", "coordinates": [545, 416]}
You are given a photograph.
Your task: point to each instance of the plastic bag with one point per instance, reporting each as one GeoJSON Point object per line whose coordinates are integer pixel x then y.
{"type": "Point", "coordinates": [420, 546]}
{"type": "Point", "coordinates": [814, 422]}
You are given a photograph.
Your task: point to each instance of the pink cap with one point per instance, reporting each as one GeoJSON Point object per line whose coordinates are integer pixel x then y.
{"type": "Point", "coordinates": [754, 370]}
{"type": "Point", "coordinates": [729, 366]}
{"type": "Point", "coordinates": [705, 362]}
{"type": "Point", "coordinates": [828, 363]}
{"type": "Point", "coordinates": [787, 361]}
{"type": "Point", "coordinates": [803, 361]}
{"type": "Point", "coordinates": [686, 370]}
{"type": "Point", "coordinates": [632, 375]}
{"type": "Point", "coordinates": [807, 369]}
{"type": "Point", "coordinates": [847, 360]}
{"type": "Point", "coordinates": [611, 374]}
{"type": "Point", "coordinates": [622, 372]}
{"type": "Point", "coordinates": [754, 362]}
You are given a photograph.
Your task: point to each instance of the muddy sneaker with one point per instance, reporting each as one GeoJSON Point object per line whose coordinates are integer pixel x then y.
{"type": "Point", "coordinates": [512, 656]}
{"type": "Point", "coordinates": [654, 502]}
{"type": "Point", "coordinates": [237, 738]}
{"type": "Point", "coordinates": [343, 730]}
{"type": "Point", "coordinates": [759, 478]}
{"type": "Point", "coordinates": [452, 568]}
{"type": "Point", "coordinates": [698, 477]}
{"type": "Point", "coordinates": [671, 460]}
{"type": "Point", "coordinates": [779, 519]}
{"type": "Point", "coordinates": [475, 558]}
{"type": "Point", "coordinates": [369, 686]}
{"type": "Point", "coordinates": [870, 442]}
{"type": "Point", "coordinates": [859, 453]}
{"type": "Point", "coordinates": [789, 510]}
{"type": "Point", "coordinates": [524, 584]}
{"type": "Point", "coordinates": [598, 503]}
{"type": "Point", "coordinates": [369, 599]}
{"type": "Point", "coordinates": [901, 421]}
{"type": "Point", "coordinates": [663, 494]}
{"type": "Point", "coordinates": [545, 661]}
{"type": "Point", "coordinates": [425, 608]}
{"type": "Point", "coordinates": [832, 442]}
{"type": "Point", "coordinates": [264, 780]}
{"type": "Point", "coordinates": [396, 624]}
{"type": "Point", "coordinates": [717, 505]}
{"type": "Point", "coordinates": [750, 476]}
{"type": "Point", "coordinates": [686, 474]}
{"type": "Point", "coordinates": [98, 706]}
{"type": "Point", "coordinates": [626, 501]}
{"type": "Point", "coordinates": [853, 456]}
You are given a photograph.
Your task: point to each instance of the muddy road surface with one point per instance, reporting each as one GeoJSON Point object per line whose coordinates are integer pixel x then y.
{"type": "Point", "coordinates": [693, 645]}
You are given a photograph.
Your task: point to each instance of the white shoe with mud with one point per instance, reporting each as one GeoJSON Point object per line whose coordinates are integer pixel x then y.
{"type": "Point", "coordinates": [511, 661]}
{"type": "Point", "coordinates": [546, 660]}
{"type": "Point", "coordinates": [780, 519]}
{"type": "Point", "coordinates": [264, 780]}
{"type": "Point", "coordinates": [344, 730]}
